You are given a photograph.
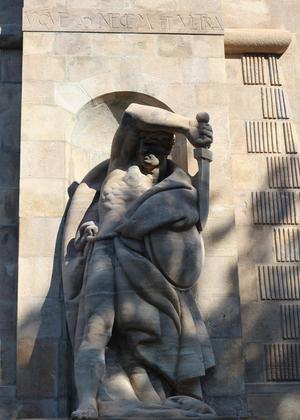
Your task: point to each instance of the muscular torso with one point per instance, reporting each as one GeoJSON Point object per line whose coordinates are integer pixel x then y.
{"type": "Point", "coordinates": [119, 190]}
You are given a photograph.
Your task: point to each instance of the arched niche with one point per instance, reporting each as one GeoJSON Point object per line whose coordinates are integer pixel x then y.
{"type": "Point", "coordinates": [94, 128]}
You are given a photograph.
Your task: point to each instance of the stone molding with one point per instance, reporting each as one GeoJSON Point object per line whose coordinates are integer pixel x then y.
{"type": "Point", "coordinates": [10, 36]}
{"type": "Point", "coordinates": [266, 41]}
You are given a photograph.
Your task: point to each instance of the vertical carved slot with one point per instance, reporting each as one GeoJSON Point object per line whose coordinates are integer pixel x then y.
{"type": "Point", "coordinates": [273, 71]}
{"type": "Point", "coordinates": [274, 104]}
{"type": "Point", "coordinates": [290, 320]}
{"type": "Point", "coordinates": [287, 244]}
{"type": "Point", "coordinates": [253, 69]}
{"type": "Point", "coordinates": [283, 172]}
{"type": "Point", "coordinates": [282, 362]}
{"type": "Point", "coordinates": [279, 282]}
{"type": "Point", "coordinates": [274, 208]}
{"type": "Point", "coordinates": [262, 137]}
{"type": "Point", "coordinates": [289, 138]}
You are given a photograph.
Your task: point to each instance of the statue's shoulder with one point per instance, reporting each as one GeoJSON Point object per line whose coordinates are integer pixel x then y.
{"type": "Point", "coordinates": [95, 177]}
{"type": "Point", "coordinates": [82, 199]}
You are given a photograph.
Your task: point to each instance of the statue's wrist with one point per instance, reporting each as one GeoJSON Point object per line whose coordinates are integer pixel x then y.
{"type": "Point", "coordinates": [203, 153]}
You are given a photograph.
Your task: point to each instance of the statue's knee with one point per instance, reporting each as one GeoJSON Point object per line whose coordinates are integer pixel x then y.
{"type": "Point", "coordinates": [88, 357]}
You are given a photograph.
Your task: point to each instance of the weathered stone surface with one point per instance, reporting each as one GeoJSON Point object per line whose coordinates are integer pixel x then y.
{"type": "Point", "coordinates": [30, 236]}
{"type": "Point", "coordinates": [8, 357]}
{"type": "Point", "coordinates": [38, 43]}
{"type": "Point", "coordinates": [248, 286]}
{"type": "Point", "coordinates": [221, 315]}
{"type": "Point", "coordinates": [228, 376]}
{"type": "Point", "coordinates": [38, 369]}
{"type": "Point", "coordinates": [222, 234]}
{"type": "Point", "coordinates": [246, 106]}
{"type": "Point", "coordinates": [36, 268]}
{"type": "Point", "coordinates": [39, 317]}
{"type": "Point", "coordinates": [8, 244]}
{"type": "Point", "coordinates": [72, 44]}
{"type": "Point", "coordinates": [43, 159]}
{"type": "Point", "coordinates": [8, 276]}
{"type": "Point", "coordinates": [8, 408]}
{"type": "Point", "coordinates": [38, 122]}
{"type": "Point", "coordinates": [255, 370]}
{"type": "Point", "coordinates": [229, 406]}
{"type": "Point", "coordinates": [37, 408]}
{"type": "Point", "coordinates": [9, 176]}
{"type": "Point", "coordinates": [37, 67]}
{"type": "Point", "coordinates": [70, 96]}
{"type": "Point", "coordinates": [9, 206]}
{"type": "Point", "coordinates": [11, 65]}
{"type": "Point", "coordinates": [221, 280]}
{"type": "Point", "coordinates": [38, 92]}
{"type": "Point", "coordinates": [40, 197]}
{"type": "Point", "coordinates": [262, 322]}
{"type": "Point", "coordinates": [195, 70]}
{"type": "Point", "coordinates": [280, 406]}
{"type": "Point", "coordinates": [7, 320]}
{"type": "Point", "coordinates": [255, 245]}
{"type": "Point", "coordinates": [11, 13]}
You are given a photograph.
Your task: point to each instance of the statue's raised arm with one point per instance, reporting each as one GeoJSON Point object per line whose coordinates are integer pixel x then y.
{"type": "Point", "coordinates": [143, 125]}
{"type": "Point", "coordinates": [139, 118]}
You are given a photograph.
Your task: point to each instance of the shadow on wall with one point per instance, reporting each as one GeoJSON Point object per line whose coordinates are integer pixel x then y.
{"type": "Point", "coordinates": [10, 118]}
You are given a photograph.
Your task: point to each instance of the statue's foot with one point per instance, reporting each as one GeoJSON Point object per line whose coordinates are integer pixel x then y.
{"type": "Point", "coordinates": [85, 413]}
{"type": "Point", "coordinates": [191, 404]}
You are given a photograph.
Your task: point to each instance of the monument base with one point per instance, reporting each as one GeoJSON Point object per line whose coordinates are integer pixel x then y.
{"type": "Point", "coordinates": [164, 417]}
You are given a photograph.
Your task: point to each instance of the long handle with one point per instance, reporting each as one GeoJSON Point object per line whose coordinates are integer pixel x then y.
{"type": "Point", "coordinates": [201, 181]}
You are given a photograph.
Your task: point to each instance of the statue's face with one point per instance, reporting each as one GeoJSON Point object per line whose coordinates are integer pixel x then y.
{"type": "Point", "coordinates": [154, 150]}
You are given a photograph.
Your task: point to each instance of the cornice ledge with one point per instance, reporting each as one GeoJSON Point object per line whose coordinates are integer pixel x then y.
{"type": "Point", "coordinates": [265, 41]}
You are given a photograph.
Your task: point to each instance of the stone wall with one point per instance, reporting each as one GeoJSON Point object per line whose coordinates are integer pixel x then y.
{"type": "Point", "coordinates": [10, 118]}
{"type": "Point", "coordinates": [264, 123]}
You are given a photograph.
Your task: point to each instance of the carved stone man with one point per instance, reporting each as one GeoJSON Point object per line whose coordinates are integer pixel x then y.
{"type": "Point", "coordinates": [132, 258]}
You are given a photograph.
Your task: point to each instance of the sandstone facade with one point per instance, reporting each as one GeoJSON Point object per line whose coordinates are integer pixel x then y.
{"type": "Point", "coordinates": [76, 81]}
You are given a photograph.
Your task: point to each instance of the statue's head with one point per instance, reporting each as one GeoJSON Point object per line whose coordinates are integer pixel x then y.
{"type": "Point", "coordinates": [154, 148]}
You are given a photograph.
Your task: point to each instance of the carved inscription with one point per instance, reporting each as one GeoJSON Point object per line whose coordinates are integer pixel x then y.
{"type": "Point", "coordinates": [282, 362]}
{"type": "Point", "coordinates": [132, 21]}
{"type": "Point", "coordinates": [274, 208]}
{"type": "Point", "coordinates": [262, 137]}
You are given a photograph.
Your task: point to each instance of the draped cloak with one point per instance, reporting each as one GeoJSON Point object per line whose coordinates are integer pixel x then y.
{"type": "Point", "coordinates": [158, 255]}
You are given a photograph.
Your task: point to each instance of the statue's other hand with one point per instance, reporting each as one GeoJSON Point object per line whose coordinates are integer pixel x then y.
{"type": "Point", "coordinates": [200, 133]}
{"type": "Point", "coordinates": [86, 233]}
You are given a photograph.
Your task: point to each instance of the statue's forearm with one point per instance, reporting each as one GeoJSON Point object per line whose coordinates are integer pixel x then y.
{"type": "Point", "coordinates": [143, 118]}
{"type": "Point", "coordinates": [201, 182]}
{"type": "Point", "coordinates": [154, 119]}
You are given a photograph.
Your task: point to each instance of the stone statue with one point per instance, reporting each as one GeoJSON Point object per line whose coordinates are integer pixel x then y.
{"type": "Point", "coordinates": [133, 253]}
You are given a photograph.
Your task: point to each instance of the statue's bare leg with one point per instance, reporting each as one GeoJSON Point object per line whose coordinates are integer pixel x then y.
{"type": "Point", "coordinates": [99, 318]}
{"type": "Point", "coordinates": [142, 385]}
